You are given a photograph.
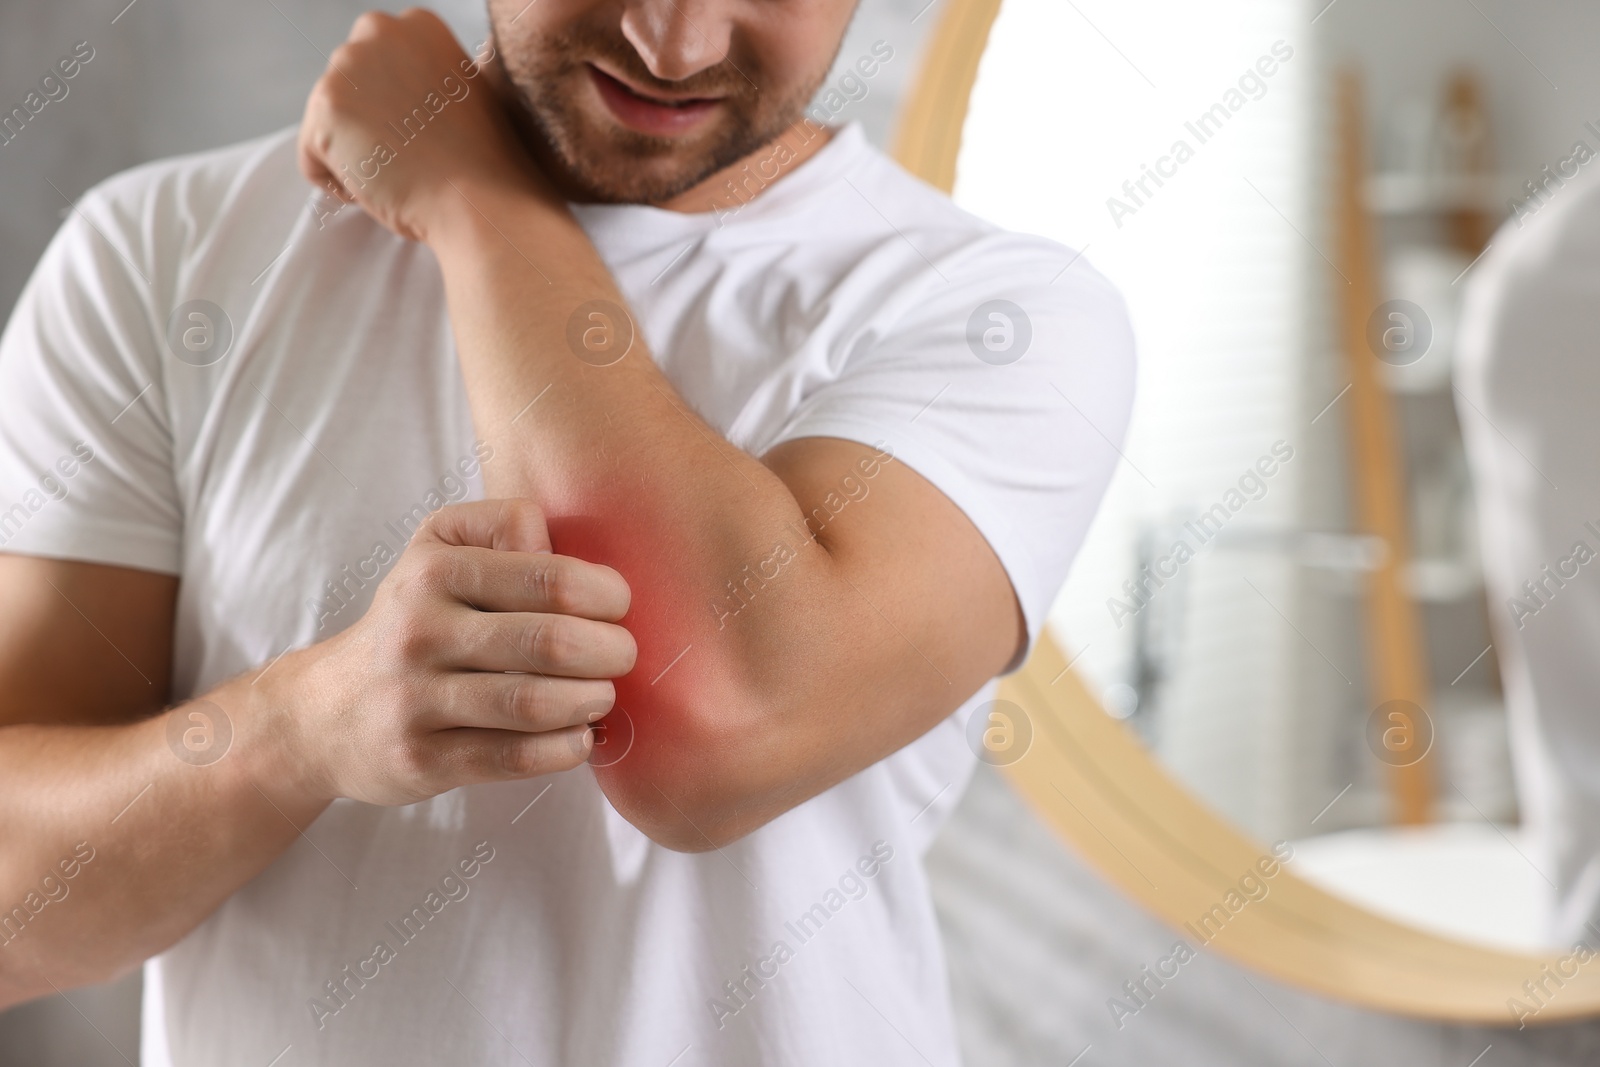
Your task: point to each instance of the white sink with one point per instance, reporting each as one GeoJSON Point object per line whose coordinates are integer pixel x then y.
{"type": "Point", "coordinates": [1474, 881]}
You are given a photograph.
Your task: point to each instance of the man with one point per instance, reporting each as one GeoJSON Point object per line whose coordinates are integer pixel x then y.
{"type": "Point", "coordinates": [1528, 386]}
{"type": "Point", "coordinates": [615, 389]}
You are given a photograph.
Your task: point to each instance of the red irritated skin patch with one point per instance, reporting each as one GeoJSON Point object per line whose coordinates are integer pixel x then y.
{"type": "Point", "coordinates": [683, 710]}
{"type": "Point", "coordinates": [730, 715]}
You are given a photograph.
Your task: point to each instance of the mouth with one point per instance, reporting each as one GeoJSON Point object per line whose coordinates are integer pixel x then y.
{"type": "Point", "coordinates": [658, 116]}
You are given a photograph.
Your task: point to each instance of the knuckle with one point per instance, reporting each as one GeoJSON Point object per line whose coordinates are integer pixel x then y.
{"type": "Point", "coordinates": [410, 638]}
{"type": "Point", "coordinates": [517, 757]}
{"type": "Point", "coordinates": [547, 585]}
{"type": "Point", "coordinates": [332, 104]}
{"type": "Point", "coordinates": [414, 762]}
{"type": "Point", "coordinates": [343, 56]}
{"type": "Point", "coordinates": [370, 22]}
{"type": "Point", "coordinates": [526, 510]}
{"type": "Point", "coordinates": [546, 642]}
{"type": "Point", "coordinates": [428, 528]}
{"type": "Point", "coordinates": [524, 516]}
{"type": "Point", "coordinates": [418, 14]}
{"type": "Point", "coordinates": [524, 703]}
{"type": "Point", "coordinates": [439, 571]}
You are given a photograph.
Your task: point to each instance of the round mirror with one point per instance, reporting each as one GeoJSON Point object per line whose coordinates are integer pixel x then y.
{"type": "Point", "coordinates": [1269, 708]}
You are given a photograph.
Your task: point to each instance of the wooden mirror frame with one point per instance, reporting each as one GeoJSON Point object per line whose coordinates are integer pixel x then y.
{"type": "Point", "coordinates": [1105, 794]}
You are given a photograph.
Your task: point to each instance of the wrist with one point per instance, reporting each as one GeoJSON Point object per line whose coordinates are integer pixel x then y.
{"type": "Point", "coordinates": [466, 211]}
{"type": "Point", "coordinates": [272, 745]}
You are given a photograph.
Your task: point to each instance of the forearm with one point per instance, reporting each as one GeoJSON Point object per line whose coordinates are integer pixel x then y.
{"type": "Point", "coordinates": [115, 847]}
{"type": "Point", "coordinates": [584, 436]}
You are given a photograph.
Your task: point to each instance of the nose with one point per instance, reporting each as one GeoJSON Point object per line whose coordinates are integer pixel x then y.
{"type": "Point", "coordinates": [678, 38]}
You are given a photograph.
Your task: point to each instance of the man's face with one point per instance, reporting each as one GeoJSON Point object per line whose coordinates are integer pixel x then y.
{"type": "Point", "coordinates": [639, 100]}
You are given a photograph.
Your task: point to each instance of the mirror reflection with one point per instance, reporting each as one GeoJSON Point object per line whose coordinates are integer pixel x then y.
{"type": "Point", "coordinates": [1340, 569]}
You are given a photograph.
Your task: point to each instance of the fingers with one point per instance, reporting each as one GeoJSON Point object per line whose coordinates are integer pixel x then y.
{"type": "Point", "coordinates": [428, 18]}
{"type": "Point", "coordinates": [368, 25]}
{"type": "Point", "coordinates": [561, 645]}
{"type": "Point", "coordinates": [313, 143]}
{"type": "Point", "coordinates": [497, 557]}
{"type": "Point", "coordinates": [507, 525]}
{"type": "Point", "coordinates": [527, 703]}
{"type": "Point", "coordinates": [310, 147]}
{"type": "Point", "coordinates": [473, 757]}
{"type": "Point", "coordinates": [490, 580]}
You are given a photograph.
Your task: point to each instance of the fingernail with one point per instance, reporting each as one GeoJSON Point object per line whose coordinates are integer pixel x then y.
{"type": "Point", "coordinates": [596, 715]}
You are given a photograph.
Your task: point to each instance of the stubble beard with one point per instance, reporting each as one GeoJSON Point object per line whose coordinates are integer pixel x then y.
{"type": "Point", "coordinates": [620, 165]}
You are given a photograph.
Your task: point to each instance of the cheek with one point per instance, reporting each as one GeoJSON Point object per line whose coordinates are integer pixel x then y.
{"type": "Point", "coordinates": [522, 48]}
{"type": "Point", "coordinates": [794, 47]}
{"type": "Point", "coordinates": [517, 22]}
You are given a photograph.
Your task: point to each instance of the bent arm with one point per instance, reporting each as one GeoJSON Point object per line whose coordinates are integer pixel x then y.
{"type": "Point", "coordinates": [780, 650]}
{"type": "Point", "coordinates": [875, 630]}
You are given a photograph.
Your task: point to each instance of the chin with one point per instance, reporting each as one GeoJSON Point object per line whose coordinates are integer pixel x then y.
{"type": "Point", "coordinates": [595, 158]}
{"type": "Point", "coordinates": [608, 169]}
{"type": "Point", "coordinates": [616, 165]}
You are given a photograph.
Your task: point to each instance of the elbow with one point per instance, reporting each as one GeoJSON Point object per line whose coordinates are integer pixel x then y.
{"type": "Point", "coordinates": [703, 744]}
{"type": "Point", "coordinates": [705, 828]}
{"type": "Point", "coordinates": [681, 832]}
{"type": "Point", "coordinates": [677, 824]}
{"type": "Point", "coordinates": [694, 776]}
{"type": "Point", "coordinates": [28, 972]}
{"type": "Point", "coordinates": [680, 796]}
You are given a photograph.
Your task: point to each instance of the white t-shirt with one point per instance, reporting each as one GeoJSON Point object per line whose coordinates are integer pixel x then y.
{"type": "Point", "coordinates": [1530, 385]}
{"type": "Point", "coordinates": [276, 474]}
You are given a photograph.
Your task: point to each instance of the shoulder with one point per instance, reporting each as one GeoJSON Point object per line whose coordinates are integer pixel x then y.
{"type": "Point", "coordinates": [204, 182]}
{"type": "Point", "coordinates": [948, 271]}
{"type": "Point", "coordinates": [965, 252]}
{"type": "Point", "coordinates": [161, 214]}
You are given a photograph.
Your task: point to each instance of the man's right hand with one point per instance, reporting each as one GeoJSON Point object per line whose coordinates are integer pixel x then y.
{"type": "Point", "coordinates": [484, 657]}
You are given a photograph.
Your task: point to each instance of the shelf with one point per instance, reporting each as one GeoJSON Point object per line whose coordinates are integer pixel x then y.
{"type": "Point", "coordinates": [1442, 580]}
{"type": "Point", "coordinates": [1405, 193]}
{"type": "Point", "coordinates": [1429, 376]}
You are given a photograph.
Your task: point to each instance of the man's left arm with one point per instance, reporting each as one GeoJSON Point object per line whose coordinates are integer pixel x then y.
{"type": "Point", "coordinates": [850, 645]}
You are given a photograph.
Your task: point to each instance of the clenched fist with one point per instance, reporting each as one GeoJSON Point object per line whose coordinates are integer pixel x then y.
{"type": "Point", "coordinates": [403, 117]}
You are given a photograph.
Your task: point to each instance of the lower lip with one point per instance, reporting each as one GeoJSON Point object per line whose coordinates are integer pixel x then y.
{"type": "Point", "coordinates": [643, 116]}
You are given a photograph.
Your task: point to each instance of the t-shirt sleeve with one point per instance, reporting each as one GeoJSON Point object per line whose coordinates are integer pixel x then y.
{"type": "Point", "coordinates": [1007, 382]}
{"type": "Point", "coordinates": [86, 457]}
